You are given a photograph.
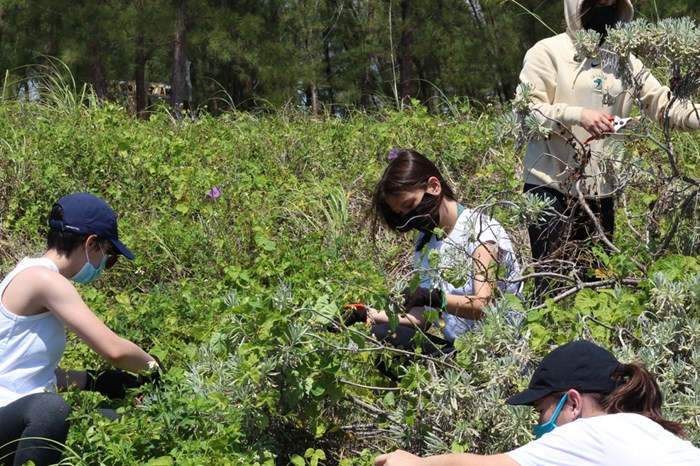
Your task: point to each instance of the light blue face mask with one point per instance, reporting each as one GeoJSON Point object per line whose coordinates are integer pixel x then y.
{"type": "Point", "coordinates": [89, 273]}
{"type": "Point", "coordinates": [541, 429]}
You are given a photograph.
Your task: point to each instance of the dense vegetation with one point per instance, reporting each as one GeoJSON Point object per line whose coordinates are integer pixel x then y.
{"type": "Point", "coordinates": [233, 292]}
{"type": "Point", "coordinates": [250, 233]}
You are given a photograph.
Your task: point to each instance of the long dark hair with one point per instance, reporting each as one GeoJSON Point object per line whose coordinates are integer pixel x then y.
{"type": "Point", "coordinates": [409, 171]}
{"type": "Point", "coordinates": [638, 393]}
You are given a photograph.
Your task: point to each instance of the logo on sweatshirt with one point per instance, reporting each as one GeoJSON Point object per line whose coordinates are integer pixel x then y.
{"type": "Point", "coordinates": [598, 81]}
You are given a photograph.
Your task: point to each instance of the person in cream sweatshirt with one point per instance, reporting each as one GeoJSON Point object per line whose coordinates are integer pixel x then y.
{"type": "Point", "coordinates": [577, 97]}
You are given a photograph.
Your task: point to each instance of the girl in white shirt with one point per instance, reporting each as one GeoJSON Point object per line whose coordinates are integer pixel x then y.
{"type": "Point", "coordinates": [593, 411]}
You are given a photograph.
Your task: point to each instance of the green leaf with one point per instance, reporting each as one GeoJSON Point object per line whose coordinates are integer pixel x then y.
{"type": "Point", "coordinates": [161, 461]}
{"type": "Point", "coordinates": [389, 400]}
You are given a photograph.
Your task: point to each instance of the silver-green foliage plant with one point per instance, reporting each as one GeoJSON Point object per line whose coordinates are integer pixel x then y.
{"type": "Point", "coordinates": [463, 409]}
{"type": "Point", "coordinates": [669, 50]}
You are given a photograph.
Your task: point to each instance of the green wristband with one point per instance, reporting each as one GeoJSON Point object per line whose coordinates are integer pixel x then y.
{"type": "Point", "coordinates": [443, 308]}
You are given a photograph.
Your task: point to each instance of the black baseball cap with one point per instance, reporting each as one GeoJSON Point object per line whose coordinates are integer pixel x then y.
{"type": "Point", "coordinates": [581, 365]}
{"type": "Point", "coordinates": [87, 214]}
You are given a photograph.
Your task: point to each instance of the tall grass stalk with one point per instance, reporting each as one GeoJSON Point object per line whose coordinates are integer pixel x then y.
{"type": "Point", "coordinates": [70, 456]}
{"type": "Point", "coordinates": [52, 84]}
{"type": "Point", "coordinates": [534, 15]}
{"type": "Point", "coordinates": [329, 215]}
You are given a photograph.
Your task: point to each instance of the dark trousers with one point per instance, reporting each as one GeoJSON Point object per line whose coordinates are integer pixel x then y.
{"type": "Point", "coordinates": [33, 428]}
{"type": "Point", "coordinates": [406, 338]}
{"type": "Point", "coordinates": [566, 234]}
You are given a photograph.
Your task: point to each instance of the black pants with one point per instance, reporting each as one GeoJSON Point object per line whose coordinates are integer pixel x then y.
{"type": "Point", "coordinates": [25, 423]}
{"type": "Point", "coordinates": [406, 338]}
{"type": "Point", "coordinates": [566, 234]}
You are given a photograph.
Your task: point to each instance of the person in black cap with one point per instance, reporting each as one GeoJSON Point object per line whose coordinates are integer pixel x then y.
{"type": "Point", "coordinates": [37, 302]}
{"type": "Point", "coordinates": [593, 410]}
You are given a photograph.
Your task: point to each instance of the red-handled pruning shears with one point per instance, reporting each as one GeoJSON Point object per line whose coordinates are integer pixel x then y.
{"type": "Point", "coordinates": [618, 124]}
{"type": "Point", "coordinates": [360, 312]}
{"type": "Point", "coordinates": [355, 307]}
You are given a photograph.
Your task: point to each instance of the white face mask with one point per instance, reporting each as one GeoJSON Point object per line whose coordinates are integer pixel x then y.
{"type": "Point", "coordinates": [89, 273]}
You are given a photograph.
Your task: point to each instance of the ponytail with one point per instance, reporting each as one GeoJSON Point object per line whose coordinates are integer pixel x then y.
{"type": "Point", "coordinates": [638, 393]}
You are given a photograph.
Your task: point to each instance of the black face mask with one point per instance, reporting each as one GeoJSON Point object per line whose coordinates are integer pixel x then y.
{"type": "Point", "coordinates": [424, 217]}
{"type": "Point", "coordinates": [600, 18]}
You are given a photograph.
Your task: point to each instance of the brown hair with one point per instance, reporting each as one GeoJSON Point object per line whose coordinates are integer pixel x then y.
{"type": "Point", "coordinates": [638, 393]}
{"type": "Point", "coordinates": [409, 171]}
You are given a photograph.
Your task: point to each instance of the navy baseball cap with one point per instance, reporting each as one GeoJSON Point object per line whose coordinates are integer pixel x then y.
{"type": "Point", "coordinates": [87, 214]}
{"type": "Point", "coordinates": [581, 365]}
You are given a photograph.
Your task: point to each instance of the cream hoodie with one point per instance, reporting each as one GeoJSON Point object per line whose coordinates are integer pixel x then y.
{"type": "Point", "coordinates": [563, 88]}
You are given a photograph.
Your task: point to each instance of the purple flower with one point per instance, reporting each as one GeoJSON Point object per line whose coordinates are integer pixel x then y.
{"type": "Point", "coordinates": [214, 193]}
{"type": "Point", "coordinates": [393, 153]}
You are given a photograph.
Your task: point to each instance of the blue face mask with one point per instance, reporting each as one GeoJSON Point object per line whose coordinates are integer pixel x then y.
{"type": "Point", "coordinates": [89, 273]}
{"type": "Point", "coordinates": [541, 429]}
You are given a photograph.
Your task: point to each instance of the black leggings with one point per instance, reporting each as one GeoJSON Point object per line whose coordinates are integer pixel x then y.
{"type": "Point", "coordinates": [405, 338]}
{"type": "Point", "coordinates": [26, 422]}
{"type": "Point", "coordinates": [570, 225]}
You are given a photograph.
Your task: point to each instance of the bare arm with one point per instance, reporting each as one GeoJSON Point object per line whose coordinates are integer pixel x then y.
{"type": "Point", "coordinates": [413, 318]}
{"type": "Point", "coordinates": [58, 295]}
{"type": "Point", "coordinates": [467, 307]}
{"type": "Point", "coordinates": [403, 458]}
{"type": "Point", "coordinates": [470, 307]}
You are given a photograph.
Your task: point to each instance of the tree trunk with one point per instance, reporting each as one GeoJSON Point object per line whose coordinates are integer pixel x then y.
{"type": "Point", "coordinates": [329, 74]}
{"type": "Point", "coordinates": [2, 14]}
{"type": "Point", "coordinates": [406, 52]}
{"type": "Point", "coordinates": [365, 88]}
{"type": "Point", "coordinates": [314, 98]}
{"type": "Point", "coordinates": [91, 36]}
{"type": "Point", "coordinates": [360, 37]}
{"type": "Point", "coordinates": [140, 76]}
{"type": "Point", "coordinates": [179, 98]}
{"type": "Point", "coordinates": [97, 72]}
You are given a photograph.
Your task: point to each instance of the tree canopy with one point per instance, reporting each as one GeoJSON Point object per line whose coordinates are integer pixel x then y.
{"type": "Point", "coordinates": [331, 54]}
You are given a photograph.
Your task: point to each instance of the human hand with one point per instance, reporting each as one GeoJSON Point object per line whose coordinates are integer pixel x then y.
{"type": "Point", "coordinates": [156, 371]}
{"type": "Point", "coordinates": [113, 383]}
{"type": "Point", "coordinates": [596, 122]}
{"type": "Point", "coordinates": [398, 458]}
{"type": "Point", "coordinates": [358, 313]}
{"type": "Point", "coordinates": [422, 297]}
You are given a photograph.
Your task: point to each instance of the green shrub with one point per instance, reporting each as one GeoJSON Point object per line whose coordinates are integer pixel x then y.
{"type": "Point", "coordinates": [235, 292]}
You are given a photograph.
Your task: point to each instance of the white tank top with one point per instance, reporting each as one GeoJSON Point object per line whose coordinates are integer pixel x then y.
{"type": "Point", "coordinates": [30, 346]}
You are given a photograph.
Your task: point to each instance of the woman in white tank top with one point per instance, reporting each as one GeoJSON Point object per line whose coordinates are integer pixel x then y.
{"type": "Point", "coordinates": [37, 303]}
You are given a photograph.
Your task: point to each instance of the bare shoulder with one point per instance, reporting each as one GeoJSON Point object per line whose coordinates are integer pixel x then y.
{"type": "Point", "coordinates": [40, 277]}
{"type": "Point", "coordinates": [33, 289]}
